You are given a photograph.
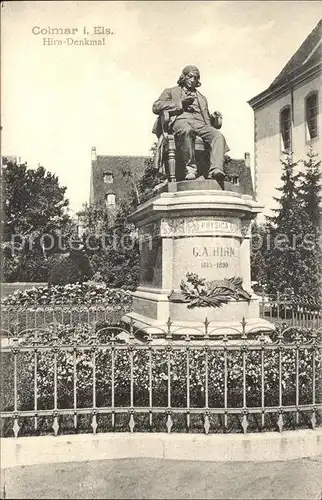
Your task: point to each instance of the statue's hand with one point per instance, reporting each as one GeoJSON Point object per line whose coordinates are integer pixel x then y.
{"type": "Point", "coordinates": [187, 101]}
{"type": "Point", "coordinates": [216, 119]}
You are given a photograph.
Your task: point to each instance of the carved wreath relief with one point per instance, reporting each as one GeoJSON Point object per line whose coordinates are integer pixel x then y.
{"type": "Point", "coordinates": [197, 292]}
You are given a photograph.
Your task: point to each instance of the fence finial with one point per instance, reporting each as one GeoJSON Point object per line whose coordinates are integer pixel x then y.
{"type": "Point", "coordinates": [206, 323]}
{"type": "Point", "coordinates": [169, 324]}
{"type": "Point", "coordinates": [243, 324]}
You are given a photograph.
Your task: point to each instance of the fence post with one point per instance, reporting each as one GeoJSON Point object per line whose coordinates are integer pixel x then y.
{"type": "Point", "coordinates": [243, 324]}
{"type": "Point", "coordinates": [278, 305]}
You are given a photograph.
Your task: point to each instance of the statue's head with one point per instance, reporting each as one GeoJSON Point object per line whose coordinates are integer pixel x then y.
{"type": "Point", "coordinates": [190, 77]}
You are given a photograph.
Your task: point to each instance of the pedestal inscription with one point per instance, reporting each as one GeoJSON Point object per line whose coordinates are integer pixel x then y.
{"type": "Point", "coordinates": [193, 226]}
{"type": "Point", "coordinates": [210, 257]}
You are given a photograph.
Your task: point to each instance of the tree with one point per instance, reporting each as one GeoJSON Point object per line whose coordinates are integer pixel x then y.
{"type": "Point", "coordinates": [292, 250]}
{"type": "Point", "coordinates": [258, 256]}
{"type": "Point", "coordinates": [310, 188]}
{"type": "Point", "coordinates": [71, 267]}
{"type": "Point", "coordinates": [111, 243]}
{"type": "Point", "coordinates": [310, 200]}
{"type": "Point", "coordinates": [150, 179]}
{"type": "Point", "coordinates": [284, 258]}
{"type": "Point", "coordinates": [128, 175]}
{"type": "Point", "coordinates": [35, 219]}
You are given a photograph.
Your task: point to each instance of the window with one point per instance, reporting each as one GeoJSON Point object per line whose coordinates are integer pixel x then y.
{"type": "Point", "coordinates": [110, 199]}
{"type": "Point", "coordinates": [108, 177]}
{"type": "Point", "coordinates": [286, 128]}
{"type": "Point", "coordinates": [311, 115]}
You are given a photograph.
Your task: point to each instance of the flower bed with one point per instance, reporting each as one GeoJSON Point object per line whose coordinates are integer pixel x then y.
{"type": "Point", "coordinates": [70, 304]}
{"type": "Point", "coordinates": [87, 293]}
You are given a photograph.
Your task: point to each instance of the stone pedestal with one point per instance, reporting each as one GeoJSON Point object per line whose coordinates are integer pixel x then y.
{"type": "Point", "coordinates": [195, 227]}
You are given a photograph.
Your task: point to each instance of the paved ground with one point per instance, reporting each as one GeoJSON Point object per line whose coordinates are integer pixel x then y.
{"type": "Point", "coordinates": [167, 479]}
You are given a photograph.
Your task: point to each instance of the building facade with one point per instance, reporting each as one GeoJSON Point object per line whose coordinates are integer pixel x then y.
{"type": "Point", "coordinates": [114, 178]}
{"type": "Point", "coordinates": [287, 117]}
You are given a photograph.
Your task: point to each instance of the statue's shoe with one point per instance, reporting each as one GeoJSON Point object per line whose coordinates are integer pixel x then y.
{"type": "Point", "coordinates": [217, 174]}
{"type": "Point", "coordinates": [191, 172]}
{"type": "Point", "coordinates": [190, 177]}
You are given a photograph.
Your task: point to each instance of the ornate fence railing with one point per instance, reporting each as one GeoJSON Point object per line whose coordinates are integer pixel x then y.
{"type": "Point", "coordinates": [16, 319]}
{"type": "Point", "coordinates": [85, 378]}
{"type": "Point", "coordinates": [293, 310]}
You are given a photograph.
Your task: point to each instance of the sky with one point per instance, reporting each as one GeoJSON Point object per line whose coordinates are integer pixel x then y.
{"type": "Point", "coordinates": [60, 100]}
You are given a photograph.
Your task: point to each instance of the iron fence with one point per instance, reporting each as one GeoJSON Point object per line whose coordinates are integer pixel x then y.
{"type": "Point", "coordinates": [290, 310]}
{"type": "Point", "coordinates": [80, 378]}
{"type": "Point", "coordinates": [17, 319]}
{"type": "Point", "coordinates": [293, 310]}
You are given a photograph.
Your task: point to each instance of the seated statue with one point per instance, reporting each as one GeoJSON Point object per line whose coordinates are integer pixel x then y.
{"type": "Point", "coordinates": [189, 118]}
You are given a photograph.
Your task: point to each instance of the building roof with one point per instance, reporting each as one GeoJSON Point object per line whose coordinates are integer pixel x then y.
{"type": "Point", "coordinates": [306, 60]}
{"type": "Point", "coordinates": [238, 167]}
{"type": "Point", "coordinates": [307, 55]}
{"type": "Point", "coordinates": [118, 166]}
{"type": "Point", "coordinates": [111, 163]}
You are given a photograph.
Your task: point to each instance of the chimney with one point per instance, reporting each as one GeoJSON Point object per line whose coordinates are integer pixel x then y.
{"type": "Point", "coordinates": [247, 160]}
{"type": "Point", "coordinates": [93, 155]}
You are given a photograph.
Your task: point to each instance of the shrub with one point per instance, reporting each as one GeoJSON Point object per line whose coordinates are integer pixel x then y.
{"type": "Point", "coordinates": [72, 268]}
{"type": "Point", "coordinates": [25, 268]}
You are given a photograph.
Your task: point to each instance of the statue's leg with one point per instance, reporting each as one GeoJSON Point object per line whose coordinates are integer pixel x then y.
{"type": "Point", "coordinates": [217, 149]}
{"type": "Point", "coordinates": [185, 142]}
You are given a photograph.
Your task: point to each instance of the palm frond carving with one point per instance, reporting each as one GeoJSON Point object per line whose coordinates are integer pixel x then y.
{"type": "Point", "coordinates": [197, 292]}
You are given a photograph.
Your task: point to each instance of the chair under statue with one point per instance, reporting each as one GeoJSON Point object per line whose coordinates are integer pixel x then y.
{"type": "Point", "coordinates": [170, 158]}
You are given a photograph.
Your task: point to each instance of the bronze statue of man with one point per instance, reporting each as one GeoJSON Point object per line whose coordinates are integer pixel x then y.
{"type": "Point", "coordinates": [190, 117]}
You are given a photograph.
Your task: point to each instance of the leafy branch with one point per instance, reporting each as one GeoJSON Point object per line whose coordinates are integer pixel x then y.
{"type": "Point", "coordinates": [198, 292]}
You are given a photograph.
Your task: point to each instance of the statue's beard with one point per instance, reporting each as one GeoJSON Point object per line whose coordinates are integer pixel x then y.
{"type": "Point", "coordinates": [190, 90]}
{"type": "Point", "coordinates": [190, 85]}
